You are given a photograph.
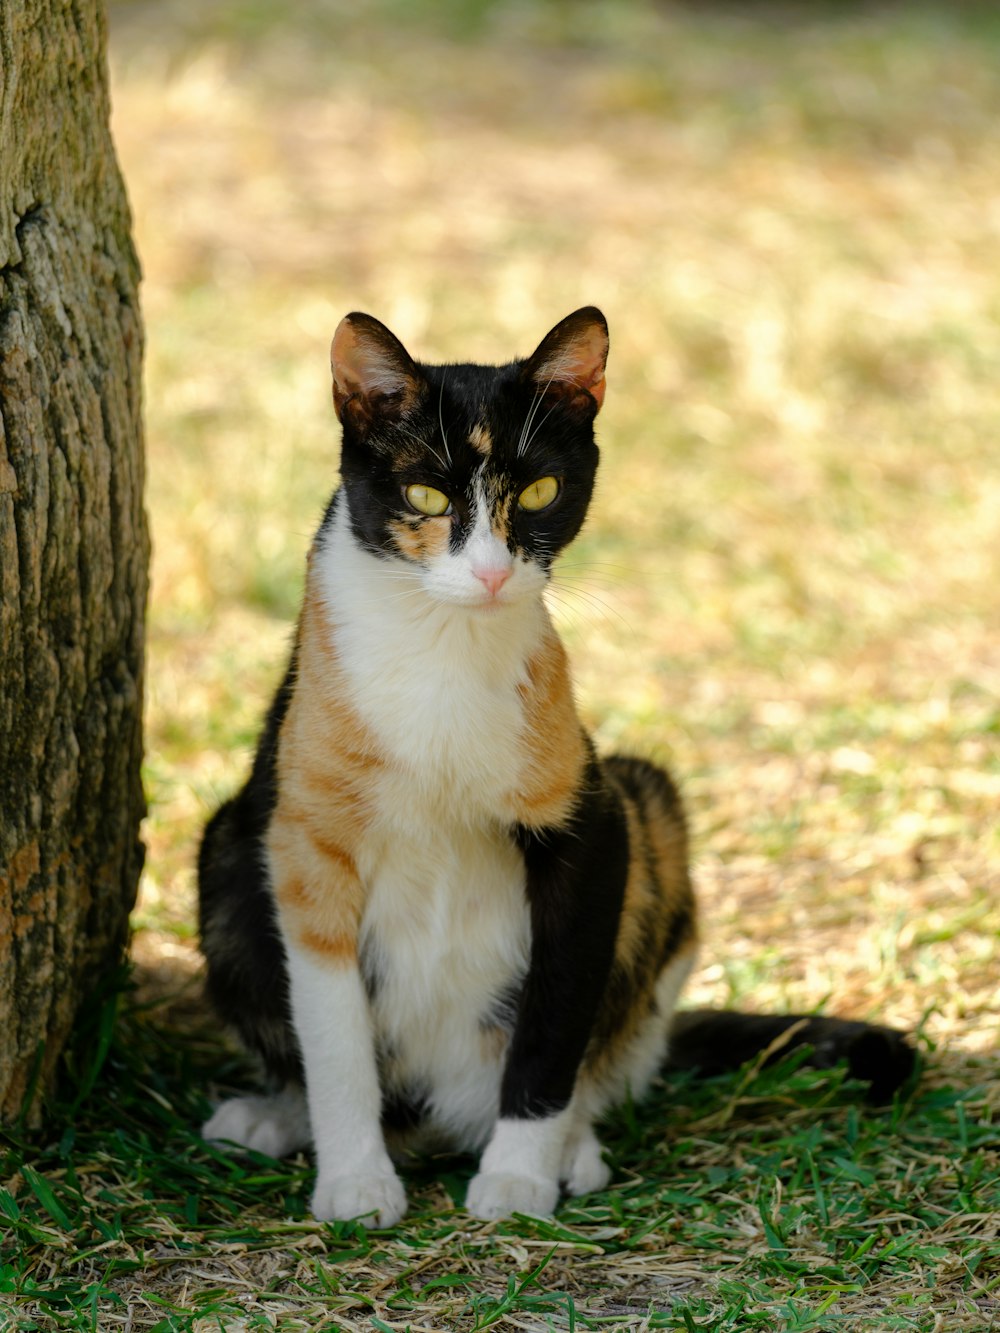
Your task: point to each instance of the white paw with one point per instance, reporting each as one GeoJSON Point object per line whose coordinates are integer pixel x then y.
{"type": "Point", "coordinates": [493, 1195]}
{"type": "Point", "coordinates": [377, 1200]}
{"type": "Point", "coordinates": [272, 1125]}
{"type": "Point", "coordinates": [585, 1170]}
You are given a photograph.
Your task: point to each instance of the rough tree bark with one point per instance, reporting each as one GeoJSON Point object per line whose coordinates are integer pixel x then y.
{"type": "Point", "coordinates": [73, 538]}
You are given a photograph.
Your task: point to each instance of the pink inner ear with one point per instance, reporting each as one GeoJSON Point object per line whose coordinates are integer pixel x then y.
{"type": "Point", "coordinates": [577, 362]}
{"type": "Point", "coordinates": [363, 366]}
{"type": "Point", "coordinates": [347, 378]}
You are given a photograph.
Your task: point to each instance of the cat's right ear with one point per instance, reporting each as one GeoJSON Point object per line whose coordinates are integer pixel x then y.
{"type": "Point", "coordinates": [374, 375]}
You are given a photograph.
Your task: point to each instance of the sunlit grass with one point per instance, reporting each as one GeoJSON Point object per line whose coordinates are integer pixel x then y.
{"type": "Point", "coordinates": [788, 585]}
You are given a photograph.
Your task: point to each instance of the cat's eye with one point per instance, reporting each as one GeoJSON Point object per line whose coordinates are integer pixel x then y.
{"type": "Point", "coordinates": [427, 500]}
{"type": "Point", "coordinates": [539, 495]}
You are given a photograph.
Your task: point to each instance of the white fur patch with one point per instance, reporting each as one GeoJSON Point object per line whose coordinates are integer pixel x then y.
{"type": "Point", "coordinates": [275, 1125]}
{"type": "Point", "coordinates": [519, 1171]}
{"type": "Point", "coordinates": [354, 1174]}
{"type": "Point", "coordinates": [483, 553]}
{"type": "Point", "coordinates": [447, 929]}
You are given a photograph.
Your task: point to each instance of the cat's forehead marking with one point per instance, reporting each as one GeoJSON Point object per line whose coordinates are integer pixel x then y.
{"type": "Point", "coordinates": [481, 439]}
{"type": "Point", "coordinates": [494, 498]}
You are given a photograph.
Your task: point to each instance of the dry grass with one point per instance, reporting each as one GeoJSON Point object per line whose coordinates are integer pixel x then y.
{"type": "Point", "coordinates": [789, 582]}
{"type": "Point", "coordinates": [788, 588]}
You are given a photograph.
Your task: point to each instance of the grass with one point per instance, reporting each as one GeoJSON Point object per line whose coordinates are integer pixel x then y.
{"type": "Point", "coordinates": [772, 1200]}
{"type": "Point", "coordinates": [787, 590]}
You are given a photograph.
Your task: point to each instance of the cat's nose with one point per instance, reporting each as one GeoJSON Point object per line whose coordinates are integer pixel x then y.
{"type": "Point", "coordinates": [492, 579]}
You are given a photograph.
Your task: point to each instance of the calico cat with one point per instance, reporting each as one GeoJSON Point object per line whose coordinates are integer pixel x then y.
{"type": "Point", "coordinates": [437, 916]}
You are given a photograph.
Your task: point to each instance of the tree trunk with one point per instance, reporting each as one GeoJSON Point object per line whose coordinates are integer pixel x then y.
{"type": "Point", "coordinates": [73, 538]}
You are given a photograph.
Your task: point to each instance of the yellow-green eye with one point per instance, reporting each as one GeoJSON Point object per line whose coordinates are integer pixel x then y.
{"type": "Point", "coordinates": [539, 495]}
{"type": "Point", "coordinates": [427, 500]}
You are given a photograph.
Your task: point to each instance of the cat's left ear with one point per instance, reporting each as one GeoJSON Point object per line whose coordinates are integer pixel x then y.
{"type": "Point", "coordinates": [374, 375]}
{"type": "Point", "coordinates": [570, 359]}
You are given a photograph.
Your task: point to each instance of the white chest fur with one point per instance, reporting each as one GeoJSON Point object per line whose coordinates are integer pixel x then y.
{"type": "Point", "coordinates": [446, 933]}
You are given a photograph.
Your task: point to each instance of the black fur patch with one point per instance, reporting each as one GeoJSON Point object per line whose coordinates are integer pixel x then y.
{"type": "Point", "coordinates": [402, 1112]}
{"type": "Point", "coordinates": [502, 1013]}
{"type": "Point", "coordinates": [717, 1040]}
{"type": "Point", "coordinates": [575, 885]}
{"type": "Point", "coordinates": [247, 977]}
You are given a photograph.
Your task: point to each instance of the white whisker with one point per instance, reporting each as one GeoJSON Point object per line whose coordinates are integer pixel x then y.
{"type": "Point", "coordinates": [425, 444]}
{"type": "Point", "coordinates": [444, 433]}
{"type": "Point", "coordinates": [527, 422]}
{"type": "Point", "coordinates": [591, 599]}
{"type": "Point", "coordinates": [585, 580]}
{"type": "Point", "coordinates": [524, 443]}
{"type": "Point", "coordinates": [527, 443]}
{"type": "Point", "coordinates": [596, 564]}
{"type": "Point", "coordinates": [399, 596]}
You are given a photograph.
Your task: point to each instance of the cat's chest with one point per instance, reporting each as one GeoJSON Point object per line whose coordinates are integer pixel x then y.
{"type": "Point", "coordinates": [445, 942]}
{"type": "Point", "coordinates": [444, 702]}
{"type": "Point", "coordinates": [434, 699]}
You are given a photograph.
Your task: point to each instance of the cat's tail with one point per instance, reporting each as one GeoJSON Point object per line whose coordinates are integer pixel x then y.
{"type": "Point", "coordinates": [716, 1040]}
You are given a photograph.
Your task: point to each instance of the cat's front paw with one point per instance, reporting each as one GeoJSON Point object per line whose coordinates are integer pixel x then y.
{"type": "Point", "coordinates": [377, 1200]}
{"type": "Point", "coordinates": [493, 1194]}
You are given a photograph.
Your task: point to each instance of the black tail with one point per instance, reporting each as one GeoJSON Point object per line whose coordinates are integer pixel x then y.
{"type": "Point", "coordinates": [715, 1040]}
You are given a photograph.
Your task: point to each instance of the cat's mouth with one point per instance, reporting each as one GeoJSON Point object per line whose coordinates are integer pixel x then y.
{"type": "Point", "coordinates": [485, 606]}
{"type": "Point", "coordinates": [484, 590]}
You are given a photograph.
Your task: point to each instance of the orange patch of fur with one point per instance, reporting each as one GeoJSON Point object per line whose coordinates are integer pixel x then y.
{"type": "Point", "coordinates": [654, 903]}
{"type": "Point", "coordinates": [421, 539]}
{"type": "Point", "coordinates": [292, 892]}
{"type": "Point", "coordinates": [341, 948]}
{"type": "Point", "coordinates": [334, 853]}
{"type": "Point", "coordinates": [669, 844]}
{"type": "Point", "coordinates": [501, 519]}
{"type": "Point", "coordinates": [632, 927]}
{"type": "Point", "coordinates": [327, 763]}
{"type": "Point", "coordinates": [481, 440]}
{"type": "Point", "coordinates": [555, 751]}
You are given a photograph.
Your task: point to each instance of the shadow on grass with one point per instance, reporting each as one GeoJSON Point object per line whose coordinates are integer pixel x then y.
{"type": "Point", "coordinates": [783, 1172]}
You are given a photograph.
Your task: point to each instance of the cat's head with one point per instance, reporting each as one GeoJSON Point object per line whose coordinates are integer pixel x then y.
{"type": "Point", "coordinates": [475, 477]}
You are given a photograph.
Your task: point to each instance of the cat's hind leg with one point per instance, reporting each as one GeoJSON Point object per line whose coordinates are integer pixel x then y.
{"type": "Point", "coordinates": [275, 1125]}
{"type": "Point", "coordinates": [584, 1169]}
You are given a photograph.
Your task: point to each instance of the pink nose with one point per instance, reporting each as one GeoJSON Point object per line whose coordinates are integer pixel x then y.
{"type": "Point", "coordinates": [492, 579]}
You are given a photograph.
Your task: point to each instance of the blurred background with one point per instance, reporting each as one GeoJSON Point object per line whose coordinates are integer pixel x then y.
{"type": "Point", "coordinates": [787, 589]}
